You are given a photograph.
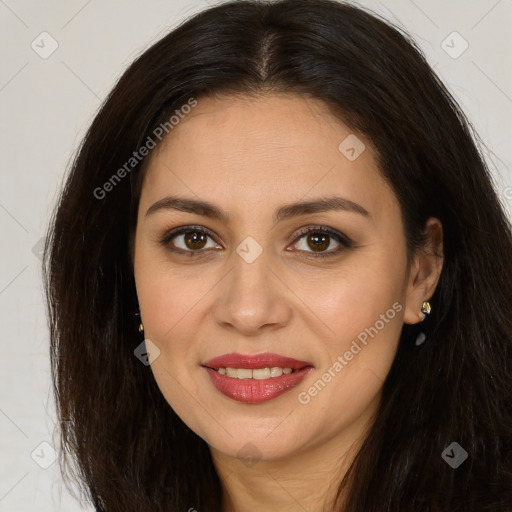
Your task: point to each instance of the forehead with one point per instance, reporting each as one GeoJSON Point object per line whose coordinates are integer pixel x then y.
{"type": "Point", "coordinates": [272, 148]}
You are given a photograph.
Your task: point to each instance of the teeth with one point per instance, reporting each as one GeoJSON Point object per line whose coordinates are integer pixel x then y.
{"type": "Point", "coordinates": [241, 373]}
{"type": "Point", "coordinates": [232, 372]}
{"type": "Point", "coordinates": [275, 371]}
{"type": "Point", "coordinates": [261, 373]}
{"type": "Point", "coordinates": [258, 373]}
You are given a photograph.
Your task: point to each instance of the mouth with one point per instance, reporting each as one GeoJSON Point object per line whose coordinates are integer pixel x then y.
{"type": "Point", "coordinates": [256, 373]}
{"type": "Point", "coordinates": [255, 378]}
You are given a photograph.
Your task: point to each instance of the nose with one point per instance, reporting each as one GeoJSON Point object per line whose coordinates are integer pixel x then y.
{"type": "Point", "coordinates": [252, 298]}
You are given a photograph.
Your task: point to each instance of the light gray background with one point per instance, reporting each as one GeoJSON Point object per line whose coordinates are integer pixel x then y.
{"type": "Point", "coordinates": [46, 106]}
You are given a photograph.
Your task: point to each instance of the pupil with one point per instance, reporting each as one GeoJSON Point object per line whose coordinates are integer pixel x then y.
{"type": "Point", "coordinates": [195, 238]}
{"type": "Point", "coordinates": [320, 241]}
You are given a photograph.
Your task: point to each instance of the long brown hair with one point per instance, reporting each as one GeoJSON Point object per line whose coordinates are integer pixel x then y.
{"type": "Point", "coordinates": [120, 439]}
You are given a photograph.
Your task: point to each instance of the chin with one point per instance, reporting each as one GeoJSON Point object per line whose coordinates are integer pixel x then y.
{"type": "Point", "coordinates": [255, 448]}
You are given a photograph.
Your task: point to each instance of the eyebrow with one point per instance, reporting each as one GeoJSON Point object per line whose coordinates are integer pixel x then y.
{"type": "Point", "coordinates": [206, 209]}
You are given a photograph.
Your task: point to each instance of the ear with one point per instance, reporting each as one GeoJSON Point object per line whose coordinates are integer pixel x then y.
{"type": "Point", "coordinates": [424, 271]}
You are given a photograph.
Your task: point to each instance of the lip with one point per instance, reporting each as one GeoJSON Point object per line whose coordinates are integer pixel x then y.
{"type": "Point", "coordinates": [254, 391]}
{"type": "Point", "coordinates": [267, 359]}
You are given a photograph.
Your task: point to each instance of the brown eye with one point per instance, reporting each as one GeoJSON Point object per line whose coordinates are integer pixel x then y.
{"type": "Point", "coordinates": [188, 239]}
{"type": "Point", "coordinates": [194, 240]}
{"type": "Point", "coordinates": [317, 241]}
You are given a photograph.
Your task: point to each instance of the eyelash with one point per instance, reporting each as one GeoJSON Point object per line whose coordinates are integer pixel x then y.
{"type": "Point", "coordinates": [346, 243]}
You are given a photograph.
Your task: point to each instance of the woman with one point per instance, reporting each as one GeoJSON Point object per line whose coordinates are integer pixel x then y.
{"type": "Point", "coordinates": [278, 278]}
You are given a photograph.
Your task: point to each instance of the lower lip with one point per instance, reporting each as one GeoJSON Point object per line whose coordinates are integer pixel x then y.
{"type": "Point", "coordinates": [254, 391]}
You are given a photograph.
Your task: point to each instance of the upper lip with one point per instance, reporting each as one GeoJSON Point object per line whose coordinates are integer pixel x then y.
{"type": "Point", "coordinates": [265, 360]}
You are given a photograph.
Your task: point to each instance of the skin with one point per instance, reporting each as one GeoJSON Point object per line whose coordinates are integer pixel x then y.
{"type": "Point", "coordinates": [250, 156]}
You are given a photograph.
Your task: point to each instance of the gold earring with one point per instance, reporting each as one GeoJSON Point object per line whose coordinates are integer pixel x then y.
{"type": "Point", "coordinates": [141, 327]}
{"type": "Point", "coordinates": [426, 308]}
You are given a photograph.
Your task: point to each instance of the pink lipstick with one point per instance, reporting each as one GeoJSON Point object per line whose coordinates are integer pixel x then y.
{"type": "Point", "coordinates": [255, 378]}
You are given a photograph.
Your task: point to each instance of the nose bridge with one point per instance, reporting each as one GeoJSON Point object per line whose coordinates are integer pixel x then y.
{"type": "Point", "coordinates": [251, 296]}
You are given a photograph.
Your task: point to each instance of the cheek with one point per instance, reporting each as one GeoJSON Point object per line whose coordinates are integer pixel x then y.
{"type": "Point", "coordinates": [356, 359]}
{"type": "Point", "coordinates": [363, 311]}
{"type": "Point", "coordinates": [357, 297]}
{"type": "Point", "coordinates": [169, 309]}
{"type": "Point", "coordinates": [167, 312]}
{"type": "Point", "coordinates": [166, 304]}
{"type": "Point", "coordinates": [167, 294]}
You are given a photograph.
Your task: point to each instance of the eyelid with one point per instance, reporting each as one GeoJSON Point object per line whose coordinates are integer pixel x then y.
{"type": "Point", "coordinates": [172, 233]}
{"type": "Point", "coordinates": [341, 237]}
{"type": "Point", "coordinates": [344, 241]}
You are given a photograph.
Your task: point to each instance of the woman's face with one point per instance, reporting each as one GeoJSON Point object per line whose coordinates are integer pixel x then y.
{"type": "Point", "coordinates": [248, 281]}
